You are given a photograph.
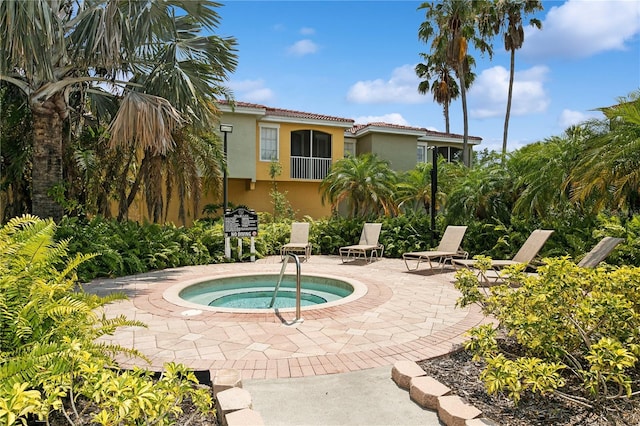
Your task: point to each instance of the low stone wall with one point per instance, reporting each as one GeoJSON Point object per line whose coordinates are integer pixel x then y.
{"type": "Point", "coordinates": [430, 394]}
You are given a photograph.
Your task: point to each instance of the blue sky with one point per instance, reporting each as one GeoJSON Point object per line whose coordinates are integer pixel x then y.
{"type": "Point", "coordinates": [356, 59]}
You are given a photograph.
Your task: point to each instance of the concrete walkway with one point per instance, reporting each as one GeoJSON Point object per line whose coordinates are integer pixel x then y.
{"type": "Point", "coordinates": [358, 398]}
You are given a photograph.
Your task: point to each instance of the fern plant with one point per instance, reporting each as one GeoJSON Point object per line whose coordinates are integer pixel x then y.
{"type": "Point", "coordinates": [50, 329]}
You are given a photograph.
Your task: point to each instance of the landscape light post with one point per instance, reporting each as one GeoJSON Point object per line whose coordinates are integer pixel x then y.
{"type": "Point", "coordinates": [226, 129]}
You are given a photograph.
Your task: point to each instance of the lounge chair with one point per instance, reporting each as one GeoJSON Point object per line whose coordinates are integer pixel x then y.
{"type": "Point", "coordinates": [299, 242]}
{"type": "Point", "coordinates": [368, 244]}
{"type": "Point", "coordinates": [600, 252]}
{"type": "Point", "coordinates": [525, 255]}
{"type": "Point", "coordinates": [448, 248]}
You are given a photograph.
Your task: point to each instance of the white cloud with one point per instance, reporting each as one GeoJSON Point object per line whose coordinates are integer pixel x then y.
{"type": "Point", "coordinates": [303, 47]}
{"type": "Point", "coordinates": [579, 29]}
{"type": "Point", "coordinates": [570, 118]}
{"type": "Point", "coordinates": [307, 31]}
{"type": "Point", "coordinates": [401, 88]}
{"type": "Point", "coordinates": [488, 94]}
{"type": "Point", "coordinates": [251, 91]}
{"type": "Point", "coordinates": [392, 118]}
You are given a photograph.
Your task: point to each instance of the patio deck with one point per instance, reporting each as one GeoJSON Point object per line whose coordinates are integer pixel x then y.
{"type": "Point", "coordinates": [403, 316]}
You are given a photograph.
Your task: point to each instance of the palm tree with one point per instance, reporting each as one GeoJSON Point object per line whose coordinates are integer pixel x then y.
{"type": "Point", "coordinates": [484, 193]}
{"type": "Point", "coordinates": [365, 183]}
{"type": "Point", "coordinates": [505, 16]}
{"type": "Point", "coordinates": [450, 25]}
{"type": "Point", "coordinates": [540, 171]}
{"type": "Point", "coordinates": [444, 86]}
{"type": "Point", "coordinates": [609, 167]}
{"type": "Point", "coordinates": [151, 53]}
{"type": "Point", "coordinates": [414, 188]}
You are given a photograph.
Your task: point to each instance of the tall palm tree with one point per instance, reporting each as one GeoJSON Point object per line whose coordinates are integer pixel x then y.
{"type": "Point", "coordinates": [450, 25]}
{"type": "Point", "coordinates": [443, 87]}
{"type": "Point", "coordinates": [152, 54]}
{"type": "Point", "coordinates": [365, 183]}
{"type": "Point", "coordinates": [505, 16]}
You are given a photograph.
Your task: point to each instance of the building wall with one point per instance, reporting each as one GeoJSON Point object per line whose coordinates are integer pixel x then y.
{"type": "Point", "coordinates": [304, 197]}
{"type": "Point", "coordinates": [365, 144]}
{"type": "Point", "coordinates": [284, 148]}
{"type": "Point", "coordinates": [240, 145]}
{"type": "Point", "coordinates": [399, 150]}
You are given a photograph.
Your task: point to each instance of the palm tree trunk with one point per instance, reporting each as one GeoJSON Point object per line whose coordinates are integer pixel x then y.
{"type": "Point", "coordinates": [446, 117]}
{"type": "Point", "coordinates": [466, 160]}
{"type": "Point", "coordinates": [509, 96]}
{"type": "Point", "coordinates": [46, 172]}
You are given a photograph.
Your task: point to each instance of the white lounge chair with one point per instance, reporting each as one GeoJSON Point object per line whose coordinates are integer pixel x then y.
{"type": "Point", "coordinates": [525, 255]}
{"type": "Point", "coordinates": [299, 241]}
{"type": "Point", "coordinates": [368, 244]}
{"type": "Point", "coordinates": [600, 252]}
{"type": "Point", "coordinates": [448, 248]}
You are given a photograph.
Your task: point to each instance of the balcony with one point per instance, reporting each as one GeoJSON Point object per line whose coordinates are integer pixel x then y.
{"type": "Point", "coordinates": [310, 168]}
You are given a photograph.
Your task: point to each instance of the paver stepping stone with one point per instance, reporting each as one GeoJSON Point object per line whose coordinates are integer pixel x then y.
{"type": "Point", "coordinates": [233, 399]}
{"type": "Point", "coordinates": [454, 411]}
{"type": "Point", "coordinates": [224, 379]}
{"type": "Point", "coordinates": [425, 390]}
{"type": "Point", "coordinates": [403, 371]}
{"type": "Point", "coordinates": [246, 417]}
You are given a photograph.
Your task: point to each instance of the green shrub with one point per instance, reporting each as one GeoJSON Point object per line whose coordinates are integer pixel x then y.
{"type": "Point", "coordinates": [568, 323]}
{"type": "Point", "coordinates": [50, 353]}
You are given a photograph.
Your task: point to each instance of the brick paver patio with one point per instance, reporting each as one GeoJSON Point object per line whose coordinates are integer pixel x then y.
{"type": "Point", "coordinates": [403, 316]}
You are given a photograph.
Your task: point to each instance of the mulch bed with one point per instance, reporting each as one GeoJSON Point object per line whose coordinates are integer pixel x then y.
{"type": "Point", "coordinates": [460, 373]}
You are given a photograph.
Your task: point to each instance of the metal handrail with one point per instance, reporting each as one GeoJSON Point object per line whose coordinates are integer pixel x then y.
{"type": "Point", "coordinates": [285, 261]}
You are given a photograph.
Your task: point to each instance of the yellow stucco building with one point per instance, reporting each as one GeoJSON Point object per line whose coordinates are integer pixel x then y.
{"type": "Point", "coordinates": [306, 145]}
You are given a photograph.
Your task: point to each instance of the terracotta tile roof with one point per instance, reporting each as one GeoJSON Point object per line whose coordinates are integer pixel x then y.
{"type": "Point", "coordinates": [362, 127]}
{"type": "Point", "coordinates": [451, 135]}
{"type": "Point", "coordinates": [291, 113]}
{"type": "Point", "coordinates": [357, 128]}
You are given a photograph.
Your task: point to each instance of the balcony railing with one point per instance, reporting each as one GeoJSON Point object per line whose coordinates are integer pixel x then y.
{"type": "Point", "coordinates": [311, 168]}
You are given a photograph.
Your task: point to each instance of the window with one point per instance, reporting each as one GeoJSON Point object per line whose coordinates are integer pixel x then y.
{"type": "Point", "coordinates": [310, 154]}
{"type": "Point", "coordinates": [268, 143]}
{"type": "Point", "coordinates": [451, 154]}
{"type": "Point", "coordinates": [349, 148]}
{"type": "Point", "coordinates": [422, 153]}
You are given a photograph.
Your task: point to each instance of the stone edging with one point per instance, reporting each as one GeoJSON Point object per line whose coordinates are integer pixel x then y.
{"type": "Point", "coordinates": [430, 394]}
{"type": "Point", "coordinates": [234, 406]}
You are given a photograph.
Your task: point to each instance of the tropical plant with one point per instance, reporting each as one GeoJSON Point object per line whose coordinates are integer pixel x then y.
{"type": "Point", "coordinates": [15, 150]}
{"type": "Point", "coordinates": [564, 323]}
{"type": "Point", "coordinates": [484, 193]}
{"type": "Point", "coordinates": [365, 183]}
{"type": "Point", "coordinates": [52, 356]}
{"type": "Point", "coordinates": [414, 188]}
{"type": "Point", "coordinates": [506, 17]}
{"type": "Point", "coordinates": [450, 25]}
{"type": "Point", "coordinates": [151, 55]}
{"type": "Point", "coordinates": [541, 170]}
{"type": "Point", "coordinates": [281, 207]}
{"type": "Point", "coordinates": [443, 87]}
{"type": "Point", "coordinates": [609, 168]}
